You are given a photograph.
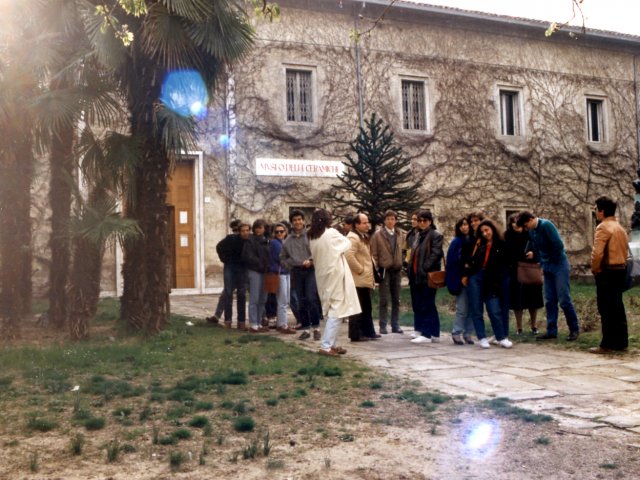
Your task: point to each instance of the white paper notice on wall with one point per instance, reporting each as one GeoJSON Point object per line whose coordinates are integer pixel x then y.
{"type": "Point", "coordinates": [184, 217]}
{"type": "Point", "coordinates": [184, 240]}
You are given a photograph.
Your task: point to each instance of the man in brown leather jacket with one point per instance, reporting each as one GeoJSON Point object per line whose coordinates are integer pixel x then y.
{"type": "Point", "coordinates": [608, 258]}
{"type": "Point", "coordinates": [386, 250]}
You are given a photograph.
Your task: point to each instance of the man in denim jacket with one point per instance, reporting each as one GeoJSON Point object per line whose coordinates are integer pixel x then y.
{"type": "Point", "coordinates": [556, 269]}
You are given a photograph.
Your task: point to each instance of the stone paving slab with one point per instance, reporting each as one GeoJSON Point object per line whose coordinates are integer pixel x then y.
{"type": "Point", "coordinates": [622, 421]}
{"type": "Point", "coordinates": [520, 372]}
{"type": "Point", "coordinates": [508, 382]}
{"type": "Point", "coordinates": [518, 396]}
{"type": "Point", "coordinates": [584, 392]}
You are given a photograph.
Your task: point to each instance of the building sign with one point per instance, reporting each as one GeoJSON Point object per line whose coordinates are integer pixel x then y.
{"type": "Point", "coordinates": [298, 167]}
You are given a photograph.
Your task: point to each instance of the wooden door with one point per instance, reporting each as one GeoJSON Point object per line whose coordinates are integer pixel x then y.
{"type": "Point", "coordinates": [180, 197]}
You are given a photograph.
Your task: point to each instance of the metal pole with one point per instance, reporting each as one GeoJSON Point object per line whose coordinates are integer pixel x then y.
{"type": "Point", "coordinates": [358, 70]}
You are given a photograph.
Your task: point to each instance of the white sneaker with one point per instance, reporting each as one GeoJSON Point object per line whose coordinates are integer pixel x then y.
{"type": "Point", "coordinates": [435, 339]}
{"type": "Point", "coordinates": [506, 343]}
{"type": "Point", "coordinates": [415, 335]}
{"type": "Point", "coordinates": [484, 343]}
{"type": "Point", "coordinates": [493, 341]}
{"type": "Point", "coordinates": [421, 339]}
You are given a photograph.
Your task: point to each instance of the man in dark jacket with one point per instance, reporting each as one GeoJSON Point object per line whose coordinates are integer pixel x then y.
{"type": "Point", "coordinates": [255, 254]}
{"type": "Point", "coordinates": [234, 274]}
{"type": "Point", "coordinates": [426, 257]}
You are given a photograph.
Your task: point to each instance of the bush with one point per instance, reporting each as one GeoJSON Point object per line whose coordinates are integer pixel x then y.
{"type": "Point", "coordinates": [94, 423]}
{"type": "Point", "coordinates": [199, 421]}
{"type": "Point", "coordinates": [182, 434]}
{"type": "Point", "coordinates": [41, 424]}
{"type": "Point", "coordinates": [244, 424]}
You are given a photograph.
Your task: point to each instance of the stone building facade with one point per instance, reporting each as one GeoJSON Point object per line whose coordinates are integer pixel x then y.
{"type": "Point", "coordinates": [495, 114]}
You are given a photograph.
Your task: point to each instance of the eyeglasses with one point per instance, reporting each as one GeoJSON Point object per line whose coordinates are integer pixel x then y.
{"type": "Point", "coordinates": [279, 231]}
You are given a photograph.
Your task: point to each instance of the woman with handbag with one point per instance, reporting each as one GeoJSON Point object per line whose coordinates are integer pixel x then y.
{"type": "Point", "coordinates": [425, 258]}
{"type": "Point", "coordinates": [282, 289]}
{"type": "Point", "coordinates": [521, 296]}
{"type": "Point", "coordinates": [484, 278]}
{"type": "Point", "coordinates": [462, 323]}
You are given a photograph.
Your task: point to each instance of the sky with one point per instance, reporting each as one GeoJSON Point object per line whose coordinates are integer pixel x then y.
{"type": "Point", "coordinates": [614, 15]}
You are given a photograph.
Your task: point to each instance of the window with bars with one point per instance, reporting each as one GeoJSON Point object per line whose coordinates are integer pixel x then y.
{"type": "Point", "coordinates": [299, 96]}
{"type": "Point", "coordinates": [414, 109]}
{"type": "Point", "coordinates": [595, 120]}
{"type": "Point", "coordinates": [510, 121]}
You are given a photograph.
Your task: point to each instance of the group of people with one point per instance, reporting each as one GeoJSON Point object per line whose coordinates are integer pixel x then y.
{"type": "Point", "coordinates": [330, 272]}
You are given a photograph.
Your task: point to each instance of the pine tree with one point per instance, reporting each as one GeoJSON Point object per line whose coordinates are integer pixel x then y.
{"type": "Point", "coordinates": [378, 176]}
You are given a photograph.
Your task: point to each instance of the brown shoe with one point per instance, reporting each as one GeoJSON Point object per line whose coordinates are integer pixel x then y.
{"type": "Point", "coordinates": [339, 350]}
{"type": "Point", "coordinates": [242, 326]}
{"type": "Point", "coordinates": [600, 350]}
{"type": "Point", "coordinates": [227, 324]}
{"type": "Point", "coordinates": [286, 330]}
{"type": "Point", "coordinates": [328, 353]}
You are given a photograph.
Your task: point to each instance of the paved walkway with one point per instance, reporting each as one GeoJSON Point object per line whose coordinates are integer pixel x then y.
{"type": "Point", "coordinates": [581, 390]}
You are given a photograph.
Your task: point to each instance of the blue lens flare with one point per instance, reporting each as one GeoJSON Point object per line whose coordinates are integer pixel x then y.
{"type": "Point", "coordinates": [481, 439]}
{"type": "Point", "coordinates": [185, 93]}
{"type": "Point", "coordinates": [224, 141]}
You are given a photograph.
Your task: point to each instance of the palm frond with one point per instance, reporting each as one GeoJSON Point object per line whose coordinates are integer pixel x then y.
{"type": "Point", "coordinates": [176, 132]}
{"type": "Point", "coordinates": [101, 222]}
{"type": "Point", "coordinates": [165, 40]}
{"type": "Point", "coordinates": [226, 36]}
{"type": "Point", "coordinates": [108, 49]}
{"type": "Point", "coordinates": [192, 10]}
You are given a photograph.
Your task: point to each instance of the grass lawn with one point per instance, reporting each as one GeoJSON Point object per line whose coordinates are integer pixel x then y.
{"type": "Point", "coordinates": [191, 394]}
{"type": "Point", "coordinates": [584, 298]}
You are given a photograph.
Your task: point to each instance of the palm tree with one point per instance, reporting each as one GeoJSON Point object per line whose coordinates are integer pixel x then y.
{"type": "Point", "coordinates": [24, 55]}
{"type": "Point", "coordinates": [197, 35]}
{"type": "Point", "coordinates": [106, 164]}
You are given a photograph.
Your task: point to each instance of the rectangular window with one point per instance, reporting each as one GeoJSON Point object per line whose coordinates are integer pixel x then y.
{"type": "Point", "coordinates": [510, 112]}
{"type": "Point", "coordinates": [414, 109]}
{"type": "Point", "coordinates": [595, 122]}
{"type": "Point", "coordinates": [299, 96]}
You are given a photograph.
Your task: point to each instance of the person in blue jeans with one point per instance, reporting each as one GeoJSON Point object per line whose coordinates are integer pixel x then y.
{"type": "Point", "coordinates": [462, 323]}
{"type": "Point", "coordinates": [548, 247]}
{"type": "Point", "coordinates": [484, 279]}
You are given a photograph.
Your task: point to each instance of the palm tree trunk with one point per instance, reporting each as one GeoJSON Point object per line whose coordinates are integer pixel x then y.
{"type": "Point", "coordinates": [144, 302]}
{"type": "Point", "coordinates": [145, 298]}
{"type": "Point", "coordinates": [60, 199]}
{"type": "Point", "coordinates": [15, 234]}
{"type": "Point", "coordinates": [22, 205]}
{"type": "Point", "coordinates": [84, 288]}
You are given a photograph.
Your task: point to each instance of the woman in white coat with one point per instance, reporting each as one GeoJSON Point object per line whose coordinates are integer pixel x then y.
{"type": "Point", "coordinates": [336, 288]}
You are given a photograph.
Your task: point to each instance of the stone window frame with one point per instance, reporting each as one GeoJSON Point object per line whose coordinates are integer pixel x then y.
{"type": "Point", "coordinates": [603, 124]}
{"type": "Point", "coordinates": [313, 104]}
{"type": "Point", "coordinates": [517, 111]}
{"type": "Point", "coordinates": [424, 83]}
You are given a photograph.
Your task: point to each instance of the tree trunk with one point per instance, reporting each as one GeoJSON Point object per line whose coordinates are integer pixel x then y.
{"type": "Point", "coordinates": [60, 199]}
{"type": "Point", "coordinates": [84, 288]}
{"type": "Point", "coordinates": [15, 234]}
{"type": "Point", "coordinates": [144, 302]}
{"type": "Point", "coordinates": [22, 206]}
